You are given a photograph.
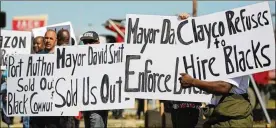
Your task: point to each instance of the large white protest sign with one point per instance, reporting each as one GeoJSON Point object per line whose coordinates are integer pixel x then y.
{"type": "Point", "coordinates": [91, 77]}
{"type": "Point", "coordinates": [56, 27]}
{"type": "Point", "coordinates": [222, 45]}
{"type": "Point", "coordinates": [14, 42]}
{"type": "Point", "coordinates": [31, 86]}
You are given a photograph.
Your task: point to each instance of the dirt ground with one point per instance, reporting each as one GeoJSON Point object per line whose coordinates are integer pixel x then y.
{"type": "Point", "coordinates": [125, 123]}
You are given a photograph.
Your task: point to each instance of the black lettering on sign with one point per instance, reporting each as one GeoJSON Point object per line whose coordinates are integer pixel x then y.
{"type": "Point", "coordinates": [3, 57]}
{"type": "Point", "coordinates": [116, 55]}
{"type": "Point", "coordinates": [37, 106]}
{"type": "Point", "coordinates": [241, 58]}
{"type": "Point", "coordinates": [265, 56]}
{"type": "Point", "coordinates": [13, 42]}
{"type": "Point", "coordinates": [119, 82]}
{"type": "Point", "coordinates": [86, 91]}
{"type": "Point", "coordinates": [148, 81]}
{"type": "Point", "coordinates": [176, 78]}
{"type": "Point", "coordinates": [201, 65]}
{"type": "Point", "coordinates": [97, 57]}
{"type": "Point", "coordinates": [167, 35]}
{"type": "Point", "coordinates": [214, 30]}
{"type": "Point", "coordinates": [132, 30]}
{"type": "Point", "coordinates": [178, 91]}
{"type": "Point", "coordinates": [25, 87]}
{"type": "Point", "coordinates": [146, 35]}
{"type": "Point", "coordinates": [179, 35]}
{"type": "Point", "coordinates": [255, 50]}
{"type": "Point", "coordinates": [227, 50]}
{"type": "Point", "coordinates": [71, 95]}
{"type": "Point", "coordinates": [108, 91]}
{"type": "Point", "coordinates": [105, 83]}
{"type": "Point", "coordinates": [39, 67]}
{"type": "Point", "coordinates": [128, 73]}
{"type": "Point", "coordinates": [68, 60]}
{"type": "Point", "coordinates": [14, 69]}
{"type": "Point", "coordinates": [15, 106]}
{"type": "Point", "coordinates": [85, 101]}
{"type": "Point", "coordinates": [95, 99]}
{"type": "Point", "coordinates": [246, 21]}
{"type": "Point", "coordinates": [44, 84]}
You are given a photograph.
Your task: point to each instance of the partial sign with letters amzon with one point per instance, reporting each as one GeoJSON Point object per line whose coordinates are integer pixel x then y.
{"type": "Point", "coordinates": [14, 42]}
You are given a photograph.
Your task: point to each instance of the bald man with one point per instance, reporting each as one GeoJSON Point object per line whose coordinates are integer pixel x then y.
{"type": "Point", "coordinates": [38, 44]}
{"type": "Point", "coordinates": [50, 39]}
{"type": "Point", "coordinates": [63, 37]}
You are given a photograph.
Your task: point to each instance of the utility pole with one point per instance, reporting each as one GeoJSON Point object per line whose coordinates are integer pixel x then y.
{"type": "Point", "coordinates": [194, 8]}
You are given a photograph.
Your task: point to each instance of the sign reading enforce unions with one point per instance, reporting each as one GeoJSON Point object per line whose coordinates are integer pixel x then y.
{"type": "Point", "coordinates": [218, 46]}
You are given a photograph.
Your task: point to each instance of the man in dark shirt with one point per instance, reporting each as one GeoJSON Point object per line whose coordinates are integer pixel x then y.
{"type": "Point", "coordinates": [50, 40]}
{"type": "Point", "coordinates": [98, 118]}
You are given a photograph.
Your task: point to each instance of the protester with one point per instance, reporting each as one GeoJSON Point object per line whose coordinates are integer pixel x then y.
{"type": "Point", "coordinates": [230, 105]}
{"type": "Point", "coordinates": [38, 44]}
{"type": "Point", "coordinates": [50, 40]}
{"type": "Point", "coordinates": [98, 118]}
{"type": "Point", "coordinates": [140, 108]}
{"type": "Point", "coordinates": [184, 114]}
{"type": "Point", "coordinates": [63, 37]}
{"type": "Point", "coordinates": [5, 118]}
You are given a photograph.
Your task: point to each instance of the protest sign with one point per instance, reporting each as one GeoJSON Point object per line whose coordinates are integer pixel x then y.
{"type": "Point", "coordinates": [27, 23]}
{"type": "Point", "coordinates": [14, 42]}
{"type": "Point", "coordinates": [91, 77]}
{"type": "Point", "coordinates": [31, 86]}
{"type": "Point", "coordinates": [65, 25]}
{"type": "Point", "coordinates": [218, 46]}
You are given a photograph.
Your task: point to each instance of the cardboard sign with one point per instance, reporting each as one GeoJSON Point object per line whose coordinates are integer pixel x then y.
{"type": "Point", "coordinates": [65, 25]}
{"type": "Point", "coordinates": [31, 86]}
{"type": "Point", "coordinates": [218, 46]}
{"type": "Point", "coordinates": [14, 42]}
{"type": "Point", "coordinates": [91, 77]}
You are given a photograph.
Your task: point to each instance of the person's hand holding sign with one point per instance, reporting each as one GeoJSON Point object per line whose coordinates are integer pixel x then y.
{"type": "Point", "coordinates": [185, 80]}
{"type": "Point", "coordinates": [183, 16]}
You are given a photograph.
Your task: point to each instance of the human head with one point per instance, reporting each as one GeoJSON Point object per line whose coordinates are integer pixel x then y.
{"type": "Point", "coordinates": [50, 40]}
{"type": "Point", "coordinates": [38, 44]}
{"type": "Point", "coordinates": [90, 37]}
{"type": "Point", "coordinates": [63, 37]}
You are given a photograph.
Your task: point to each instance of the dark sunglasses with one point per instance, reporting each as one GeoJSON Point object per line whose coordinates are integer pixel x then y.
{"type": "Point", "coordinates": [89, 41]}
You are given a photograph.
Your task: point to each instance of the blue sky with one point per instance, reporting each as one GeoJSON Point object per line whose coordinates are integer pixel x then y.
{"type": "Point", "coordinates": [81, 13]}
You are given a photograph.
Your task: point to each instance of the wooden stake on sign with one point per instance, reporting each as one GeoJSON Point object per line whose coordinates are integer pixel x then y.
{"type": "Point", "coordinates": [162, 108]}
{"type": "Point", "coordinates": [194, 8]}
{"type": "Point", "coordinates": [145, 105]}
{"type": "Point", "coordinates": [260, 99]}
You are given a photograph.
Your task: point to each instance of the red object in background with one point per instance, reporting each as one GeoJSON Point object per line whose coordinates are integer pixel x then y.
{"type": "Point", "coordinates": [119, 38]}
{"type": "Point", "coordinates": [79, 117]}
{"type": "Point", "coordinates": [261, 78]}
{"type": "Point", "coordinates": [27, 23]}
